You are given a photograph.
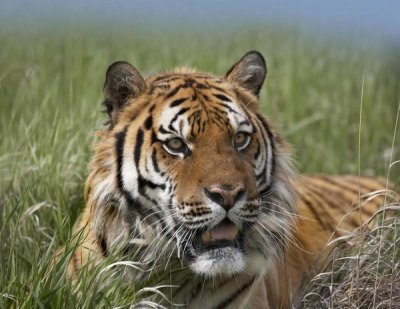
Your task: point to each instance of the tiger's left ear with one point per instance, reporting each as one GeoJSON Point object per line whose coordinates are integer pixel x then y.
{"type": "Point", "coordinates": [249, 72]}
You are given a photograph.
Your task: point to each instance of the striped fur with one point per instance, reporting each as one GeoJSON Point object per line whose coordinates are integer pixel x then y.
{"type": "Point", "coordinates": [142, 193]}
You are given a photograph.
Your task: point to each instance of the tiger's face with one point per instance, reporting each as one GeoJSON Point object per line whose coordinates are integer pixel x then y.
{"type": "Point", "coordinates": [211, 194]}
{"type": "Point", "coordinates": [196, 162]}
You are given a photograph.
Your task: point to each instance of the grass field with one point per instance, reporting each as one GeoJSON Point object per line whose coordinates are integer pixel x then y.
{"type": "Point", "coordinates": [50, 102]}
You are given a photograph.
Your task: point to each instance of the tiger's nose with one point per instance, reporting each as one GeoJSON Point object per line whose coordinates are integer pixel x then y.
{"type": "Point", "coordinates": [225, 195]}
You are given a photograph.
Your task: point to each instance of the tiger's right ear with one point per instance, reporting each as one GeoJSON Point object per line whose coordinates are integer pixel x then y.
{"type": "Point", "coordinates": [123, 82]}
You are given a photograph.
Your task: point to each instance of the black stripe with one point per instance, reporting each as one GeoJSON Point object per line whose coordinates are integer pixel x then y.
{"type": "Point", "coordinates": [244, 122]}
{"type": "Point", "coordinates": [143, 182]}
{"type": "Point", "coordinates": [188, 83]}
{"type": "Point", "coordinates": [162, 130]}
{"type": "Point", "coordinates": [236, 294]}
{"type": "Point", "coordinates": [323, 205]}
{"type": "Point", "coordinates": [228, 107]}
{"type": "Point", "coordinates": [148, 122]}
{"type": "Point", "coordinates": [201, 86]}
{"type": "Point", "coordinates": [173, 92]}
{"type": "Point", "coordinates": [331, 198]}
{"type": "Point", "coordinates": [134, 204]}
{"type": "Point", "coordinates": [310, 205]}
{"type": "Point", "coordinates": [217, 88]}
{"type": "Point", "coordinates": [262, 173]}
{"type": "Point", "coordinates": [138, 147]}
{"type": "Point", "coordinates": [171, 78]}
{"type": "Point", "coordinates": [271, 141]}
{"type": "Point", "coordinates": [324, 194]}
{"type": "Point", "coordinates": [142, 190]}
{"type": "Point", "coordinates": [258, 150]}
{"type": "Point", "coordinates": [348, 202]}
{"type": "Point", "coordinates": [154, 138]}
{"type": "Point", "coordinates": [264, 192]}
{"type": "Point", "coordinates": [205, 97]}
{"type": "Point", "coordinates": [222, 97]}
{"type": "Point", "coordinates": [120, 143]}
{"type": "Point", "coordinates": [252, 125]}
{"type": "Point", "coordinates": [154, 161]}
{"type": "Point", "coordinates": [162, 86]}
{"type": "Point", "coordinates": [218, 110]}
{"type": "Point", "coordinates": [334, 181]}
{"type": "Point", "coordinates": [119, 148]}
{"type": "Point", "coordinates": [377, 185]}
{"type": "Point", "coordinates": [178, 102]}
{"type": "Point", "coordinates": [182, 111]}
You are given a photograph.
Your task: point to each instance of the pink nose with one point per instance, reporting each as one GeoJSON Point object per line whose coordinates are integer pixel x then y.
{"type": "Point", "coordinates": [225, 195]}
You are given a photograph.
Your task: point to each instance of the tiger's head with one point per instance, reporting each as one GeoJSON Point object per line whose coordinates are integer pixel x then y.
{"type": "Point", "coordinates": [193, 158]}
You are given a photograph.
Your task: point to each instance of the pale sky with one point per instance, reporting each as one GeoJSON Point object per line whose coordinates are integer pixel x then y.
{"type": "Point", "coordinates": [380, 18]}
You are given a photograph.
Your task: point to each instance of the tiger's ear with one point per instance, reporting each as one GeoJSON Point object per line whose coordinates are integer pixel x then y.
{"type": "Point", "coordinates": [249, 72]}
{"type": "Point", "coordinates": [123, 82]}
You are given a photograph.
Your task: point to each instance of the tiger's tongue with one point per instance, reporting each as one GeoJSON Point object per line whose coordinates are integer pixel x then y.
{"type": "Point", "coordinates": [223, 231]}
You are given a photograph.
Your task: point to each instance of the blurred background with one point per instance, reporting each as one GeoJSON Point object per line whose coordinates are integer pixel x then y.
{"type": "Point", "coordinates": [333, 89]}
{"type": "Point", "coordinates": [363, 18]}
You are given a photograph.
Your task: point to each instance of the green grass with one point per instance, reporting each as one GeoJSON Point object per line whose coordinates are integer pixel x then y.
{"type": "Point", "coordinates": [50, 102]}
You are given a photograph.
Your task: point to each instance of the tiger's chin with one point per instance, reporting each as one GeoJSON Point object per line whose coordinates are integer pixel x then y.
{"type": "Point", "coordinates": [227, 260]}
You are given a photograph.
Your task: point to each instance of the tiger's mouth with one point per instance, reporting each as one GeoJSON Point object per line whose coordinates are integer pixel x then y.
{"type": "Point", "coordinates": [224, 234]}
{"type": "Point", "coordinates": [218, 250]}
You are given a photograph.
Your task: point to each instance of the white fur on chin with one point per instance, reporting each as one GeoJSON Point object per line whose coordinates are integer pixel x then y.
{"type": "Point", "coordinates": [223, 261]}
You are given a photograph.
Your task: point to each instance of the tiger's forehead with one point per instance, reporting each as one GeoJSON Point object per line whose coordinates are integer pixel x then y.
{"type": "Point", "coordinates": [164, 84]}
{"type": "Point", "coordinates": [187, 104]}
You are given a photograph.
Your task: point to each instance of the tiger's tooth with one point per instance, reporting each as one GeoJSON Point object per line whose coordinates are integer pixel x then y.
{"type": "Point", "coordinates": [206, 237]}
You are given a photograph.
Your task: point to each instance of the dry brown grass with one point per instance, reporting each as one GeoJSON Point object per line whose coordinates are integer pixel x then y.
{"type": "Point", "coordinates": [363, 270]}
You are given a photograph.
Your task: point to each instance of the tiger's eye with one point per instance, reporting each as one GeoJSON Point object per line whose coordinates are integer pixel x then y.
{"type": "Point", "coordinates": [241, 140]}
{"type": "Point", "coordinates": [176, 146]}
{"type": "Point", "coordinates": [175, 143]}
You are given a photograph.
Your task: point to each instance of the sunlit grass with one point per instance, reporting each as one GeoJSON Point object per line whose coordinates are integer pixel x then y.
{"type": "Point", "coordinates": [50, 103]}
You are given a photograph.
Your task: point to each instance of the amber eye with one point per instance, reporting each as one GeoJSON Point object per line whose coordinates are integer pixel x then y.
{"type": "Point", "coordinates": [241, 140]}
{"type": "Point", "coordinates": [176, 146]}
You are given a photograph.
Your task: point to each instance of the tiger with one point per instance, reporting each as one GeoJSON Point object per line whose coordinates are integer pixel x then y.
{"type": "Point", "coordinates": [188, 167]}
